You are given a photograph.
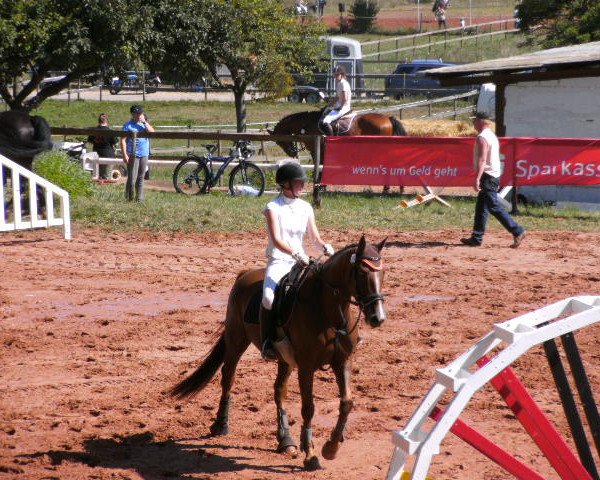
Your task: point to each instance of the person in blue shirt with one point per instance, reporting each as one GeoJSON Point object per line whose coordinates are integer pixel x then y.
{"type": "Point", "coordinates": [136, 157]}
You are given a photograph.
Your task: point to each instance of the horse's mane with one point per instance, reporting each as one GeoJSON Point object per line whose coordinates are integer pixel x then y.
{"type": "Point", "coordinates": [301, 115]}
{"type": "Point", "coordinates": [336, 255]}
{"type": "Point", "coordinates": [343, 250]}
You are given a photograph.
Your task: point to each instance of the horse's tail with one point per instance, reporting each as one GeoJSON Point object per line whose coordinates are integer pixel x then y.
{"type": "Point", "coordinates": [204, 373]}
{"type": "Point", "coordinates": [397, 127]}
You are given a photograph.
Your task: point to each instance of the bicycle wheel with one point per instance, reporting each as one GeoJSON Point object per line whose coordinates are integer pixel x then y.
{"type": "Point", "coordinates": [191, 176]}
{"type": "Point", "coordinates": [247, 179]}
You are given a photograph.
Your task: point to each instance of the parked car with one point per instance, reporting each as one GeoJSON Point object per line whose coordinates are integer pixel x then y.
{"type": "Point", "coordinates": [49, 81]}
{"type": "Point", "coordinates": [133, 81]}
{"type": "Point", "coordinates": [408, 79]}
{"type": "Point", "coordinates": [305, 93]}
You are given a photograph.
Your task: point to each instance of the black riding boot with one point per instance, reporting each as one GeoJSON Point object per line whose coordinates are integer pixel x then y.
{"type": "Point", "coordinates": [328, 129]}
{"type": "Point", "coordinates": [267, 334]}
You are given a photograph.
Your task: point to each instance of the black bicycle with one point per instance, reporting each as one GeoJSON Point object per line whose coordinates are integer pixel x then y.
{"type": "Point", "coordinates": [195, 175]}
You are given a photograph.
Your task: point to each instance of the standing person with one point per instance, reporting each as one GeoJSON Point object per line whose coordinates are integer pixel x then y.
{"type": "Point", "coordinates": [288, 219]}
{"type": "Point", "coordinates": [104, 146]}
{"type": "Point", "coordinates": [301, 9]}
{"type": "Point", "coordinates": [440, 16]}
{"type": "Point", "coordinates": [342, 100]}
{"type": "Point", "coordinates": [136, 157]}
{"type": "Point", "coordinates": [321, 7]}
{"type": "Point", "coordinates": [486, 159]}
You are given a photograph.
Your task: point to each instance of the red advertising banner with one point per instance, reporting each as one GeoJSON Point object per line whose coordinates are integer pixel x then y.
{"type": "Point", "coordinates": [448, 161]}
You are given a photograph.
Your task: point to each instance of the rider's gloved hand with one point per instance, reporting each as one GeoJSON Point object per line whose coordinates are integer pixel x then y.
{"type": "Point", "coordinates": [301, 257]}
{"type": "Point", "coordinates": [328, 250]}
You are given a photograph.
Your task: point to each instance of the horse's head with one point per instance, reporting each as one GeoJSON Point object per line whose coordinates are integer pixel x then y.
{"type": "Point", "coordinates": [367, 272]}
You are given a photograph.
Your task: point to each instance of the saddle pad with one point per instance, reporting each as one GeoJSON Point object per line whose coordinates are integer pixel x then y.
{"type": "Point", "coordinates": [285, 296]}
{"type": "Point", "coordinates": [343, 123]}
{"type": "Point", "coordinates": [251, 313]}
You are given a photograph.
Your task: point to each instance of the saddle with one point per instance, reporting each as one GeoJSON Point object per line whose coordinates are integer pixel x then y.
{"type": "Point", "coordinates": [285, 297]}
{"type": "Point", "coordinates": [342, 125]}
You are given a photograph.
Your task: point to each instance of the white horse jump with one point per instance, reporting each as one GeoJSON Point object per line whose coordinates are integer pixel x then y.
{"type": "Point", "coordinates": [512, 339]}
{"type": "Point", "coordinates": [18, 222]}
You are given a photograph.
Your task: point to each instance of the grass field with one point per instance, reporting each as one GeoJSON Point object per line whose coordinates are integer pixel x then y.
{"type": "Point", "coordinates": [168, 211]}
{"type": "Point", "coordinates": [172, 212]}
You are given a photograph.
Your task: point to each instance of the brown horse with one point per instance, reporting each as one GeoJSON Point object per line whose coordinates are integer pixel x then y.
{"type": "Point", "coordinates": [307, 123]}
{"type": "Point", "coordinates": [320, 332]}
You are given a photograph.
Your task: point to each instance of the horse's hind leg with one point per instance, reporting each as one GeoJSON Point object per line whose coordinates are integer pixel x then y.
{"type": "Point", "coordinates": [233, 353]}
{"type": "Point", "coordinates": [285, 443]}
{"type": "Point", "coordinates": [342, 375]}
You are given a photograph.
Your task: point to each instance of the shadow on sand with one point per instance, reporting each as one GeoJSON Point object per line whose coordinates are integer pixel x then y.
{"type": "Point", "coordinates": [168, 459]}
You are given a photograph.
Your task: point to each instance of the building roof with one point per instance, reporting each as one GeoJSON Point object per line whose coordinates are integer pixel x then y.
{"type": "Point", "coordinates": [576, 60]}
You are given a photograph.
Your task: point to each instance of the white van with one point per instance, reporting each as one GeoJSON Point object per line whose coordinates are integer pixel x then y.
{"type": "Point", "coordinates": [486, 102]}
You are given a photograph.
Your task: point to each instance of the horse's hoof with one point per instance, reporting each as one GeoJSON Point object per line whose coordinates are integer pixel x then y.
{"type": "Point", "coordinates": [311, 464]}
{"type": "Point", "coordinates": [330, 449]}
{"type": "Point", "coordinates": [286, 444]}
{"type": "Point", "coordinates": [291, 451]}
{"type": "Point", "coordinates": [218, 429]}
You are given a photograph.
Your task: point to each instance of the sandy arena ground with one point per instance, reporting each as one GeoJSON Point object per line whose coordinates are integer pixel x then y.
{"type": "Point", "coordinates": [96, 329]}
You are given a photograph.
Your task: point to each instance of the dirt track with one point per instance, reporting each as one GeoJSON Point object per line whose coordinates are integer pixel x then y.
{"type": "Point", "coordinates": [93, 330]}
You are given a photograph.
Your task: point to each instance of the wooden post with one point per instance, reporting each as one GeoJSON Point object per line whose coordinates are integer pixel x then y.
{"type": "Point", "coordinates": [316, 174]}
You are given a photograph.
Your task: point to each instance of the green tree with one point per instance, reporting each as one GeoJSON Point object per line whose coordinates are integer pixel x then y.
{"type": "Point", "coordinates": [563, 22]}
{"type": "Point", "coordinates": [364, 13]}
{"type": "Point", "coordinates": [257, 40]}
{"type": "Point", "coordinates": [79, 37]}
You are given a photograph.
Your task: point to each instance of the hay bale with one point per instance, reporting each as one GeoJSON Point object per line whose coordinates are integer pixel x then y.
{"type": "Point", "coordinates": [439, 128]}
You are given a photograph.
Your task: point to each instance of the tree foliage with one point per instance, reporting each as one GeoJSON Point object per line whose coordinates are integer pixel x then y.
{"type": "Point", "coordinates": [257, 40]}
{"type": "Point", "coordinates": [79, 37]}
{"type": "Point", "coordinates": [564, 22]}
{"type": "Point", "coordinates": [364, 13]}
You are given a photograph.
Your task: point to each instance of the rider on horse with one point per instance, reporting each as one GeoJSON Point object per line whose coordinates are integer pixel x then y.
{"type": "Point", "coordinates": [343, 96]}
{"type": "Point", "coordinates": [288, 218]}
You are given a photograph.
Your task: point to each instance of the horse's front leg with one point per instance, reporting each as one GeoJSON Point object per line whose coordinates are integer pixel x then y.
{"type": "Point", "coordinates": [285, 443]}
{"type": "Point", "coordinates": [342, 376]}
{"type": "Point", "coordinates": [306, 378]}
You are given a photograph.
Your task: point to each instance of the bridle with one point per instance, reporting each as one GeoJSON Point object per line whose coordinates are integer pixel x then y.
{"type": "Point", "coordinates": [373, 263]}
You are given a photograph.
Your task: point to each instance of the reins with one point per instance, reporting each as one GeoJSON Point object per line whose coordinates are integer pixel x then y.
{"type": "Point", "coordinates": [374, 263]}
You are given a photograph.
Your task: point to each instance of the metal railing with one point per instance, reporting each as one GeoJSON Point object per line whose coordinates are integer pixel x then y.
{"type": "Point", "coordinates": [451, 35]}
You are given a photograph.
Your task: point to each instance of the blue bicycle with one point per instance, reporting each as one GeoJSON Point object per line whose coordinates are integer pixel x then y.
{"type": "Point", "coordinates": [195, 175]}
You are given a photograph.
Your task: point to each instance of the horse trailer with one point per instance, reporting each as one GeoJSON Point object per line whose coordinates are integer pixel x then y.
{"type": "Point", "coordinates": [339, 51]}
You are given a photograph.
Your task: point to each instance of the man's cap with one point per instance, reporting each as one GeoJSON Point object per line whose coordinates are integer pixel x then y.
{"type": "Point", "coordinates": [482, 116]}
{"type": "Point", "coordinates": [136, 109]}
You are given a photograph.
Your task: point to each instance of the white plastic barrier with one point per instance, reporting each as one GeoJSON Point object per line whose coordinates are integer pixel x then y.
{"type": "Point", "coordinates": [518, 335]}
{"type": "Point", "coordinates": [18, 222]}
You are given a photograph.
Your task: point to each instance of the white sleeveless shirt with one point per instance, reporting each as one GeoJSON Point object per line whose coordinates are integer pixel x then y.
{"type": "Point", "coordinates": [343, 86]}
{"type": "Point", "coordinates": [492, 162]}
{"type": "Point", "coordinates": [292, 215]}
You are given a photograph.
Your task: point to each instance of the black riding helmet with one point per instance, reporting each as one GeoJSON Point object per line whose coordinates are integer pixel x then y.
{"type": "Point", "coordinates": [289, 172]}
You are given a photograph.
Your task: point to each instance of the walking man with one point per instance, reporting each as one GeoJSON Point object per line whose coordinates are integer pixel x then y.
{"type": "Point", "coordinates": [486, 159]}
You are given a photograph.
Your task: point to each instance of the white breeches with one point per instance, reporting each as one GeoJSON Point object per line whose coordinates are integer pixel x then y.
{"type": "Point", "coordinates": [336, 113]}
{"type": "Point", "coordinates": [275, 271]}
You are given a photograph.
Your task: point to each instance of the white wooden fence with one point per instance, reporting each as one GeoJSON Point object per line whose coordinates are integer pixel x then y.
{"type": "Point", "coordinates": [15, 219]}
